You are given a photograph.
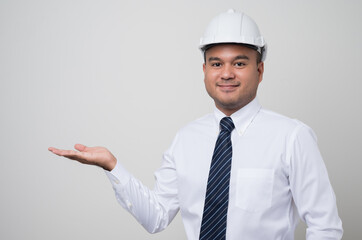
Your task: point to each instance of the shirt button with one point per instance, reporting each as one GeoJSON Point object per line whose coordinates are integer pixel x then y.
{"type": "Point", "coordinates": [116, 181]}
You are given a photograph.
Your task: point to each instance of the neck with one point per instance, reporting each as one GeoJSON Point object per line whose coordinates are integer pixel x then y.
{"type": "Point", "coordinates": [228, 111]}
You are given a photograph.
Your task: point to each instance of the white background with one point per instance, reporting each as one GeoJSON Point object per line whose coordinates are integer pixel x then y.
{"type": "Point", "coordinates": [127, 75]}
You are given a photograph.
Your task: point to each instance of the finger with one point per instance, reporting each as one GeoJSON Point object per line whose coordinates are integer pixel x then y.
{"type": "Point", "coordinates": [54, 150]}
{"type": "Point", "coordinates": [65, 153]}
{"type": "Point", "coordinates": [81, 157]}
{"type": "Point", "coordinates": [80, 147]}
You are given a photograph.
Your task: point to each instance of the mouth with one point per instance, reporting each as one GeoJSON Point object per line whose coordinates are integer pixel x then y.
{"type": "Point", "coordinates": [227, 87]}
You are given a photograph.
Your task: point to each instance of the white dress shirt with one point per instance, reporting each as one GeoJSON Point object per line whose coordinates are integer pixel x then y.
{"type": "Point", "coordinates": [277, 176]}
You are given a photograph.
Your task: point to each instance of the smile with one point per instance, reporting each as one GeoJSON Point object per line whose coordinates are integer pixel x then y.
{"type": "Point", "coordinates": [227, 87]}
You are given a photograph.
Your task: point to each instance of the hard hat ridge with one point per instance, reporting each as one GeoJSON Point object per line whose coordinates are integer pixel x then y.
{"type": "Point", "coordinates": [233, 27]}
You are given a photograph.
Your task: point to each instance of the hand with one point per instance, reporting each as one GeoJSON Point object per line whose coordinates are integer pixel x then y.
{"type": "Point", "coordinates": [98, 156]}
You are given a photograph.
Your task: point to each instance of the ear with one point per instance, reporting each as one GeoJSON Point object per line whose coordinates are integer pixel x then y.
{"type": "Point", "coordinates": [204, 67]}
{"type": "Point", "coordinates": [260, 71]}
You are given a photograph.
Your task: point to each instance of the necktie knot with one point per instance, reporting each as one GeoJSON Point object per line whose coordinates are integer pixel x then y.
{"type": "Point", "coordinates": [226, 124]}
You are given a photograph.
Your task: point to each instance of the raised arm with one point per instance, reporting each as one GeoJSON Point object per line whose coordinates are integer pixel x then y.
{"type": "Point", "coordinates": [154, 209]}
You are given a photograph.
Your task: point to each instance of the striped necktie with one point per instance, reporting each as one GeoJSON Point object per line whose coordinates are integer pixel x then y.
{"type": "Point", "coordinates": [214, 218]}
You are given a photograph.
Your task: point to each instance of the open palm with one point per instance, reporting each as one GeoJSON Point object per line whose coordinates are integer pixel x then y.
{"type": "Point", "coordinates": [98, 156]}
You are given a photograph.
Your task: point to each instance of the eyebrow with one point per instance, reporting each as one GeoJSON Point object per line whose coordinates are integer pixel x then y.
{"type": "Point", "coordinates": [241, 57]}
{"type": "Point", "coordinates": [236, 58]}
{"type": "Point", "coordinates": [214, 59]}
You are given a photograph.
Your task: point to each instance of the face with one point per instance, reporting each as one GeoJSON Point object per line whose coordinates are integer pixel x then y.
{"type": "Point", "coordinates": [232, 76]}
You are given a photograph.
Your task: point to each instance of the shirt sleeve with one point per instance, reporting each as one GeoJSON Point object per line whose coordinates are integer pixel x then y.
{"type": "Point", "coordinates": [312, 192]}
{"type": "Point", "coordinates": [153, 209]}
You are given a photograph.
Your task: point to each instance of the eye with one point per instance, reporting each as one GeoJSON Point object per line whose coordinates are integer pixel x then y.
{"type": "Point", "coordinates": [239, 64]}
{"type": "Point", "coordinates": [216, 64]}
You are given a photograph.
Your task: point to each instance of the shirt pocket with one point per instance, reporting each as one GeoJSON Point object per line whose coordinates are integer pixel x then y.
{"type": "Point", "coordinates": [254, 188]}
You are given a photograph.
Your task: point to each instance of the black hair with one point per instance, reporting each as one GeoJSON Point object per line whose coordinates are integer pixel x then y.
{"type": "Point", "coordinates": [258, 57]}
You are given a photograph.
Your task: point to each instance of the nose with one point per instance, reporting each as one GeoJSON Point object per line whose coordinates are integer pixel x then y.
{"type": "Point", "coordinates": [227, 73]}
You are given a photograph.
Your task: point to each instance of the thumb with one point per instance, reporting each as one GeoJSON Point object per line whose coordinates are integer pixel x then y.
{"type": "Point", "coordinates": [80, 147]}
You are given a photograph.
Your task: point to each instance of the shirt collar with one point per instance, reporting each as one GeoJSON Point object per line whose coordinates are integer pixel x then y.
{"type": "Point", "coordinates": [241, 118]}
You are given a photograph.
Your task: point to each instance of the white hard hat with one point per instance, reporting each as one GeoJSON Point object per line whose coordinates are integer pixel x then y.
{"type": "Point", "coordinates": [233, 27]}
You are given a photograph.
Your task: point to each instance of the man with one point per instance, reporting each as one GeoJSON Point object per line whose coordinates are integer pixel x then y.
{"type": "Point", "coordinates": [240, 173]}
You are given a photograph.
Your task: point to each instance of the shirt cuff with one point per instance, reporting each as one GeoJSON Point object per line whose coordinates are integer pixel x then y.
{"type": "Point", "coordinates": [119, 175]}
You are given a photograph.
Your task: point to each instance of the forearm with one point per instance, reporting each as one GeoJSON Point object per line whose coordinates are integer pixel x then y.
{"type": "Point", "coordinates": [143, 203]}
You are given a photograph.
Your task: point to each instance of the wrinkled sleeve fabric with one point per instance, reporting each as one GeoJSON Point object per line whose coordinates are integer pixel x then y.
{"type": "Point", "coordinates": [312, 192]}
{"type": "Point", "coordinates": [153, 209]}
